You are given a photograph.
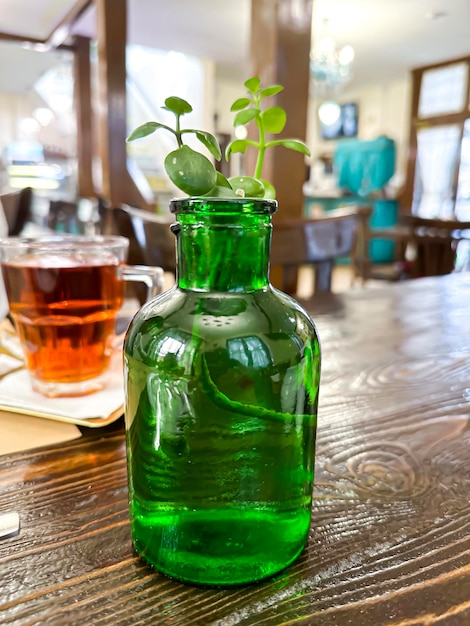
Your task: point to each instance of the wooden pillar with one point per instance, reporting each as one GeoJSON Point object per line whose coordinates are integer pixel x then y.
{"type": "Point", "coordinates": [118, 186]}
{"type": "Point", "coordinates": [112, 35]}
{"type": "Point", "coordinates": [84, 114]}
{"type": "Point", "coordinates": [280, 53]}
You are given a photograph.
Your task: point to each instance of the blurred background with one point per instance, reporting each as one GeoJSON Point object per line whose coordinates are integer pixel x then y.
{"type": "Point", "coordinates": [362, 72]}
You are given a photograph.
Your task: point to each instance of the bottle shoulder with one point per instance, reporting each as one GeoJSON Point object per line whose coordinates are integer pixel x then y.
{"type": "Point", "coordinates": [217, 317]}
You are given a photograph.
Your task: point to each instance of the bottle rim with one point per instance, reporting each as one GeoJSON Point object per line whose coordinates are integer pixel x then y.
{"type": "Point", "coordinates": [211, 205]}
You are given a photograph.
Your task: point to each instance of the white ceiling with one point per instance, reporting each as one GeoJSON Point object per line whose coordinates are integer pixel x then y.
{"type": "Point", "coordinates": [390, 37]}
{"type": "Point", "coordinates": [34, 18]}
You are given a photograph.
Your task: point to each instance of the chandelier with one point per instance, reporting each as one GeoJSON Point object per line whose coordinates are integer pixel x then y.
{"type": "Point", "coordinates": [329, 66]}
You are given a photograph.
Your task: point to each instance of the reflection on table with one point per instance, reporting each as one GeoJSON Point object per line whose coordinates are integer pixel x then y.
{"type": "Point", "coordinates": [389, 537]}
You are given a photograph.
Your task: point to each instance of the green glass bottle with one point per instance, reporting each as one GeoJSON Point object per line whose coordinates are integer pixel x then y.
{"type": "Point", "coordinates": [222, 375]}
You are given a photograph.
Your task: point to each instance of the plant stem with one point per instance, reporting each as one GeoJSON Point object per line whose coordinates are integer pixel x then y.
{"type": "Point", "coordinates": [178, 132]}
{"type": "Point", "coordinates": [262, 143]}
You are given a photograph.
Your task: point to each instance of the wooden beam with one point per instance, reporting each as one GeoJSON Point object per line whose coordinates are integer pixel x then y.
{"type": "Point", "coordinates": [21, 38]}
{"type": "Point", "coordinates": [280, 53]}
{"type": "Point", "coordinates": [62, 28]}
{"type": "Point", "coordinates": [59, 29]}
{"type": "Point", "coordinates": [111, 28]}
{"type": "Point", "coordinates": [118, 187]}
{"type": "Point", "coordinates": [86, 146]}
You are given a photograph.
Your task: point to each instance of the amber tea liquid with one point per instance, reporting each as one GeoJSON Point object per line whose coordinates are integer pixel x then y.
{"type": "Point", "coordinates": [64, 309]}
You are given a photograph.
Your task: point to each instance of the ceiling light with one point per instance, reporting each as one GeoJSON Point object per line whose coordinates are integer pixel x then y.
{"type": "Point", "coordinates": [43, 115]}
{"type": "Point", "coordinates": [329, 113]}
{"type": "Point", "coordinates": [329, 66]}
{"type": "Point", "coordinates": [29, 126]}
{"type": "Point", "coordinates": [346, 55]}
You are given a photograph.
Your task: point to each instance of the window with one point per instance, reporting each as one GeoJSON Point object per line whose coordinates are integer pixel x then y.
{"type": "Point", "coordinates": [438, 176]}
{"type": "Point", "coordinates": [443, 90]}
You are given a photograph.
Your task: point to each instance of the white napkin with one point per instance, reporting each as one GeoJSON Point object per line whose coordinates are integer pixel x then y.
{"type": "Point", "coordinates": [17, 394]}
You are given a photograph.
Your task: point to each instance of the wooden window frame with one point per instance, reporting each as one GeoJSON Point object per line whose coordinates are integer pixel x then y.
{"type": "Point", "coordinates": [417, 122]}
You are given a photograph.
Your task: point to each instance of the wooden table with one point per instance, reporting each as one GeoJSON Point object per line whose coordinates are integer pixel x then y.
{"type": "Point", "coordinates": [390, 537]}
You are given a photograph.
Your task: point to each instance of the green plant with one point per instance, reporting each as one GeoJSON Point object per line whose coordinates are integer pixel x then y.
{"type": "Point", "coordinates": [271, 120]}
{"type": "Point", "coordinates": [194, 173]}
{"type": "Point", "coordinates": [189, 170]}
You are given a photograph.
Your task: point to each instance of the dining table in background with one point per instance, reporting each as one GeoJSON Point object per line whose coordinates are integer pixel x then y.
{"type": "Point", "coordinates": [390, 534]}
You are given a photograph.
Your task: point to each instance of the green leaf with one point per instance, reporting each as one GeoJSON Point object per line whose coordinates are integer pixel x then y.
{"type": "Point", "coordinates": [270, 91]}
{"type": "Point", "coordinates": [251, 187]}
{"type": "Point", "coordinates": [274, 119]}
{"type": "Point", "coordinates": [292, 144]}
{"type": "Point", "coordinates": [243, 117]}
{"type": "Point", "coordinates": [178, 106]}
{"type": "Point", "coordinates": [221, 192]}
{"type": "Point", "coordinates": [240, 104]}
{"type": "Point", "coordinates": [146, 129]}
{"type": "Point", "coordinates": [237, 145]}
{"type": "Point", "coordinates": [190, 171]}
{"type": "Point", "coordinates": [269, 190]}
{"type": "Point", "coordinates": [210, 142]}
{"type": "Point", "coordinates": [222, 181]}
{"type": "Point", "coordinates": [253, 84]}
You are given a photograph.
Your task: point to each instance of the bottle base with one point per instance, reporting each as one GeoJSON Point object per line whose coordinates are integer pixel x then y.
{"type": "Point", "coordinates": [219, 548]}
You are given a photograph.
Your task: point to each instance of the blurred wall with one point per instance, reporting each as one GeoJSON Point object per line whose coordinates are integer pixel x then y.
{"type": "Point", "coordinates": [384, 109]}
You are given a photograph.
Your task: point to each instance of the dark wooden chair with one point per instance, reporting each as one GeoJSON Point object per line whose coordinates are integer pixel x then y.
{"type": "Point", "coordinates": [433, 244]}
{"type": "Point", "coordinates": [320, 242]}
{"type": "Point", "coordinates": [17, 208]}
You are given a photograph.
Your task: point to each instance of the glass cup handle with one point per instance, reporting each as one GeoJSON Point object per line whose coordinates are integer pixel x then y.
{"type": "Point", "coordinates": [150, 276]}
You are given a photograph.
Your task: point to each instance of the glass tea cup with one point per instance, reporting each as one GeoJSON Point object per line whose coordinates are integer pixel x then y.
{"type": "Point", "coordinates": [64, 295]}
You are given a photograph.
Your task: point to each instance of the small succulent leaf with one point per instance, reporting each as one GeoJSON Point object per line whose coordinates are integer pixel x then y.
{"type": "Point", "coordinates": [240, 104]}
{"type": "Point", "coordinates": [253, 84]}
{"type": "Point", "coordinates": [237, 145]}
{"type": "Point", "coordinates": [269, 190]}
{"type": "Point", "coordinates": [190, 171]}
{"type": "Point", "coordinates": [211, 143]}
{"type": "Point", "coordinates": [272, 90]}
{"type": "Point", "coordinates": [295, 144]}
{"type": "Point", "coordinates": [221, 191]}
{"type": "Point", "coordinates": [222, 181]}
{"type": "Point", "coordinates": [251, 187]}
{"type": "Point", "coordinates": [274, 119]}
{"type": "Point", "coordinates": [178, 106]}
{"type": "Point", "coordinates": [146, 129]}
{"type": "Point", "coordinates": [243, 117]}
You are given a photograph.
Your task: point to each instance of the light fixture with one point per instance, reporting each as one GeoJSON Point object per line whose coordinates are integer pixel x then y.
{"type": "Point", "coordinates": [329, 66]}
{"type": "Point", "coordinates": [29, 126]}
{"type": "Point", "coordinates": [329, 112]}
{"type": "Point", "coordinates": [43, 115]}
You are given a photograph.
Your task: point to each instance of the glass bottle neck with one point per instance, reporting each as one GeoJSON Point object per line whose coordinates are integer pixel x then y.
{"type": "Point", "coordinates": [223, 252]}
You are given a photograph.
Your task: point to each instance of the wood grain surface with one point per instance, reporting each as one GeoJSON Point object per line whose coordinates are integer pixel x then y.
{"type": "Point", "coordinates": [390, 536]}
